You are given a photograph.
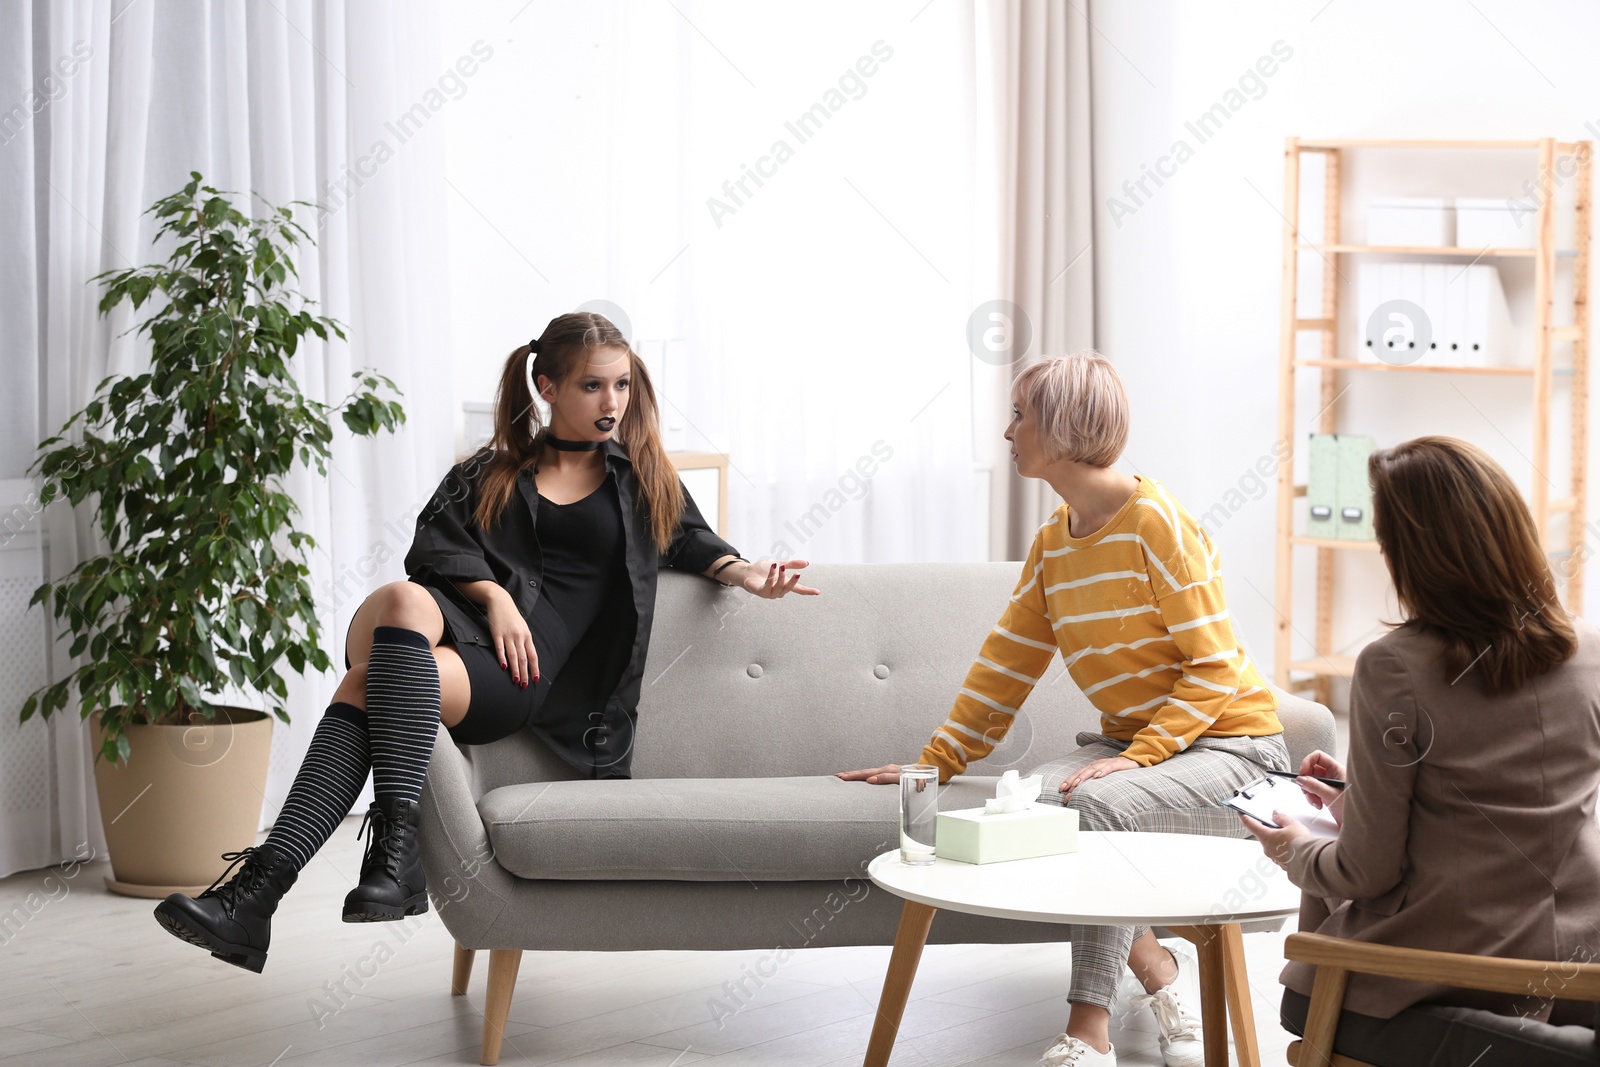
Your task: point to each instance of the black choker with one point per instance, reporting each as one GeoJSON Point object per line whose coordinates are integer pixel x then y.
{"type": "Point", "coordinates": [571, 446]}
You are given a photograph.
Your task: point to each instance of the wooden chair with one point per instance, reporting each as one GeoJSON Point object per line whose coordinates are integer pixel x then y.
{"type": "Point", "coordinates": [1336, 958]}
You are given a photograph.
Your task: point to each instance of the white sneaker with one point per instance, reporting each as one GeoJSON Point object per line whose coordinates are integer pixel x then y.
{"type": "Point", "coordinates": [1182, 1042]}
{"type": "Point", "coordinates": [1070, 1052]}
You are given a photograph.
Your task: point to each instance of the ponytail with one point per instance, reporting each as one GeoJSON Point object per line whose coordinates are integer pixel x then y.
{"type": "Point", "coordinates": [640, 434]}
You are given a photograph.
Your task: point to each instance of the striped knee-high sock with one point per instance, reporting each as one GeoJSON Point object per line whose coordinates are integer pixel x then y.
{"type": "Point", "coordinates": [326, 786]}
{"type": "Point", "coordinates": [402, 710]}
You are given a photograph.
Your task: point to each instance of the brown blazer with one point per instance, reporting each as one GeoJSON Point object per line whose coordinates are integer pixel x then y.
{"type": "Point", "coordinates": [1469, 825]}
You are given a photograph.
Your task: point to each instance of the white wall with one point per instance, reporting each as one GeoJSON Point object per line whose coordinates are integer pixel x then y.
{"type": "Point", "coordinates": [1188, 283]}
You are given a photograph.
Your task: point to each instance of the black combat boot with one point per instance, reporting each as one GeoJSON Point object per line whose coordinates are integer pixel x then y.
{"type": "Point", "coordinates": [392, 883]}
{"type": "Point", "coordinates": [234, 921]}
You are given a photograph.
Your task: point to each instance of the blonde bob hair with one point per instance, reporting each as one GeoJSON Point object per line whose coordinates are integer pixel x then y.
{"type": "Point", "coordinates": [1079, 404]}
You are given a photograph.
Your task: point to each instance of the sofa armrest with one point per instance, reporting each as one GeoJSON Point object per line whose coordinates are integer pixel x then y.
{"type": "Point", "coordinates": [467, 886]}
{"type": "Point", "coordinates": [1307, 726]}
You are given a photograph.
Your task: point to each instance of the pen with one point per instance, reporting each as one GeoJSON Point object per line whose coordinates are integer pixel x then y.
{"type": "Point", "coordinates": [1325, 781]}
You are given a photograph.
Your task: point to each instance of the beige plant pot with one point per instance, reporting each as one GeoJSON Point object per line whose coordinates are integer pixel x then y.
{"type": "Point", "coordinates": [186, 795]}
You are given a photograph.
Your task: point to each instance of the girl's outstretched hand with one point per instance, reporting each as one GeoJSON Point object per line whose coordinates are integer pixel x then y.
{"type": "Point", "coordinates": [772, 579]}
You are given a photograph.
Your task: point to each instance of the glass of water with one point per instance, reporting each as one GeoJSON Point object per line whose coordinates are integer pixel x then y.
{"type": "Point", "coordinates": [919, 808]}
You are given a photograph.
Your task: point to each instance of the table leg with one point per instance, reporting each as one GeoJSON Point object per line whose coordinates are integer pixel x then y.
{"type": "Point", "coordinates": [1245, 1046]}
{"type": "Point", "coordinates": [915, 919]}
{"type": "Point", "coordinates": [1208, 946]}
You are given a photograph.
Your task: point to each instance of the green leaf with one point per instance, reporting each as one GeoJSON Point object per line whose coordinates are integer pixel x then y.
{"type": "Point", "coordinates": [181, 470]}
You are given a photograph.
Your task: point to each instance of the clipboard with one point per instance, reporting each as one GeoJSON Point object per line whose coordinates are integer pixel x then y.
{"type": "Point", "coordinates": [1262, 797]}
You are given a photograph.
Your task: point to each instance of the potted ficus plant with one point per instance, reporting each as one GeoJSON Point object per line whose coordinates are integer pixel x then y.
{"type": "Point", "coordinates": [203, 583]}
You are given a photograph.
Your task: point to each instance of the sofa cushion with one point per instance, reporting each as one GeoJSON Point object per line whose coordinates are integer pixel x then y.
{"type": "Point", "coordinates": [701, 829]}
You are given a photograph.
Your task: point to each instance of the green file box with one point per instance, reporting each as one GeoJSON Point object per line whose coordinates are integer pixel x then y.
{"type": "Point", "coordinates": [1322, 486]}
{"type": "Point", "coordinates": [1355, 494]}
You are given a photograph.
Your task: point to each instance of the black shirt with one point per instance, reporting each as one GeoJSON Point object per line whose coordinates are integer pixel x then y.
{"type": "Point", "coordinates": [589, 718]}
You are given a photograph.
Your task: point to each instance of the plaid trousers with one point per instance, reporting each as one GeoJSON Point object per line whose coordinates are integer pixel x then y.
{"type": "Point", "coordinates": [1182, 794]}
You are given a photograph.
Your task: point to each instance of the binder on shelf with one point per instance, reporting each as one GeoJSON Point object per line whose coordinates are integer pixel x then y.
{"type": "Point", "coordinates": [1477, 346]}
{"type": "Point", "coordinates": [1491, 336]}
{"type": "Point", "coordinates": [1322, 486]}
{"type": "Point", "coordinates": [1434, 280]}
{"type": "Point", "coordinates": [1354, 492]}
{"type": "Point", "coordinates": [1369, 335]}
{"type": "Point", "coordinates": [1453, 343]}
{"type": "Point", "coordinates": [1411, 331]}
{"type": "Point", "coordinates": [1391, 336]}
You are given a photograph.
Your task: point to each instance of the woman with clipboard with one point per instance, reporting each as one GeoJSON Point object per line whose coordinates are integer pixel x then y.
{"type": "Point", "coordinates": [1468, 824]}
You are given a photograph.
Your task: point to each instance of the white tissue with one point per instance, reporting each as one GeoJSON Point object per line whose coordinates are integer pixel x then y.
{"type": "Point", "coordinates": [1013, 793]}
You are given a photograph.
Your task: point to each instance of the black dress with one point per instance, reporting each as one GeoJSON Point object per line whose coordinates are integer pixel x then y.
{"type": "Point", "coordinates": [583, 567]}
{"type": "Point", "coordinates": [590, 713]}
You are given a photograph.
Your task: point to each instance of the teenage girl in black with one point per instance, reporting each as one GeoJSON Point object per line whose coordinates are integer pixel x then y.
{"type": "Point", "coordinates": [529, 604]}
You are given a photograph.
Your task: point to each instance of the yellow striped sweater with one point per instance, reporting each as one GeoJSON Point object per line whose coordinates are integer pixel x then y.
{"type": "Point", "coordinates": [1137, 612]}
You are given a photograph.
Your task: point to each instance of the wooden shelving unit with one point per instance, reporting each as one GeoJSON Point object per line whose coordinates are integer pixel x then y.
{"type": "Point", "coordinates": [1319, 669]}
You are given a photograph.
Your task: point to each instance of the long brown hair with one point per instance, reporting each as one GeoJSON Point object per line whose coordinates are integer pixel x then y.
{"type": "Point", "coordinates": [519, 431]}
{"type": "Point", "coordinates": [1467, 562]}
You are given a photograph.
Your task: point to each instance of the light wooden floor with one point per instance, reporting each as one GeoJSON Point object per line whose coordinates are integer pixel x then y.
{"type": "Point", "coordinates": [88, 979]}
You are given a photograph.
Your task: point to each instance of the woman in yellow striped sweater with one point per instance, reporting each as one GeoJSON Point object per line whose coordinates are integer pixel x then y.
{"type": "Point", "coordinates": [1126, 586]}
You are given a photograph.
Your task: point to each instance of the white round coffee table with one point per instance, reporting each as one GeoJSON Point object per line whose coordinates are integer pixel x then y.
{"type": "Point", "coordinates": [1200, 888]}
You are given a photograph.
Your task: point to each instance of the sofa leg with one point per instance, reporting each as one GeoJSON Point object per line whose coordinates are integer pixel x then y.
{"type": "Point", "coordinates": [503, 963]}
{"type": "Point", "coordinates": [461, 972]}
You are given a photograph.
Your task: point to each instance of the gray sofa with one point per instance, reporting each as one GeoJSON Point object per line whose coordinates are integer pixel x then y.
{"type": "Point", "coordinates": [733, 834]}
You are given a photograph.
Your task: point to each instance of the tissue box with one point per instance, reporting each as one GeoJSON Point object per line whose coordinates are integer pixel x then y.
{"type": "Point", "coordinates": [970, 836]}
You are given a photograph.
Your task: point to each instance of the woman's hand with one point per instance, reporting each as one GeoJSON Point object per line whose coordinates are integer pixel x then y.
{"type": "Point", "coordinates": [1324, 796]}
{"type": "Point", "coordinates": [888, 774]}
{"type": "Point", "coordinates": [1098, 769]}
{"type": "Point", "coordinates": [1321, 765]}
{"type": "Point", "coordinates": [1277, 842]}
{"type": "Point", "coordinates": [513, 642]}
{"type": "Point", "coordinates": [772, 579]}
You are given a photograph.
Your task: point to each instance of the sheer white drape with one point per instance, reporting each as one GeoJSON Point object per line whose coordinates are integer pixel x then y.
{"type": "Point", "coordinates": [781, 199]}
{"type": "Point", "coordinates": [104, 108]}
{"type": "Point", "coordinates": [827, 313]}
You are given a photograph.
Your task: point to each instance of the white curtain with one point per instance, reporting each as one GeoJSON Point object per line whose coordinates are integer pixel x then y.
{"type": "Point", "coordinates": [806, 305]}
{"type": "Point", "coordinates": [1034, 87]}
{"type": "Point", "coordinates": [294, 99]}
{"type": "Point", "coordinates": [827, 313]}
